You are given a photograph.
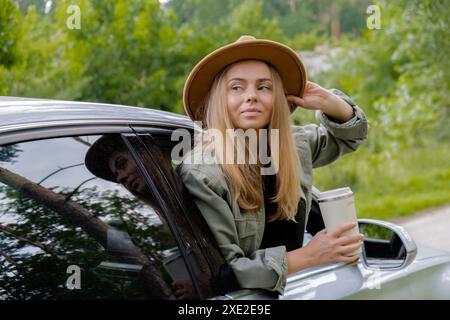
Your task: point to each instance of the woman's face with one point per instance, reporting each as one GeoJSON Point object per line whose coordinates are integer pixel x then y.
{"type": "Point", "coordinates": [249, 91]}
{"type": "Point", "coordinates": [123, 167]}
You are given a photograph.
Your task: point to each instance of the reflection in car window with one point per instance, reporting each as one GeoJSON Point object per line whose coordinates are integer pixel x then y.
{"type": "Point", "coordinates": [68, 234]}
{"type": "Point", "coordinates": [211, 275]}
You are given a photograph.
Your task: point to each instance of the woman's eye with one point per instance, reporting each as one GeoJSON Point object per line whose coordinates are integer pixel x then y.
{"type": "Point", "coordinates": [236, 88]}
{"type": "Point", "coordinates": [264, 88]}
{"type": "Point", "coordinates": [121, 163]}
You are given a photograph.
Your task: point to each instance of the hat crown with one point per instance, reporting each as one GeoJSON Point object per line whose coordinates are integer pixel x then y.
{"type": "Point", "coordinates": [245, 38]}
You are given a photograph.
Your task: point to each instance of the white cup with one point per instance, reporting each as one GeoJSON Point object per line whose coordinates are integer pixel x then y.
{"type": "Point", "coordinates": [338, 208]}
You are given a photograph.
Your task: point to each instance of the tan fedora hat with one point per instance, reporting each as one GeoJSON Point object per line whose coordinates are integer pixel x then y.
{"type": "Point", "coordinates": [284, 59]}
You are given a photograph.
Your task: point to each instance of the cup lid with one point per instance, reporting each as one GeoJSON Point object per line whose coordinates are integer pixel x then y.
{"type": "Point", "coordinates": [335, 194]}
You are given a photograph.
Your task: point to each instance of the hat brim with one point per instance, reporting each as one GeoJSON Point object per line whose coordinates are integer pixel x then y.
{"type": "Point", "coordinates": [284, 59]}
{"type": "Point", "coordinates": [98, 155]}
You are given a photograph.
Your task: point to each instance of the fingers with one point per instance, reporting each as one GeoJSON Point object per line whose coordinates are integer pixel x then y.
{"type": "Point", "coordinates": [346, 250]}
{"type": "Point", "coordinates": [179, 292]}
{"type": "Point", "coordinates": [350, 259]}
{"type": "Point", "coordinates": [295, 100]}
{"type": "Point", "coordinates": [341, 229]}
{"type": "Point", "coordinates": [346, 240]}
{"type": "Point", "coordinates": [183, 289]}
{"type": "Point", "coordinates": [180, 283]}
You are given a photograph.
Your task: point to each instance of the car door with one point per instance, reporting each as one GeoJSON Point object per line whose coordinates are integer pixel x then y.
{"type": "Point", "coordinates": [68, 234]}
{"type": "Point", "coordinates": [212, 274]}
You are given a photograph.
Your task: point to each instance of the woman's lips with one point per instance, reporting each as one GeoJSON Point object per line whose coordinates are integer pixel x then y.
{"type": "Point", "coordinates": [251, 112]}
{"type": "Point", "coordinates": [136, 184]}
{"type": "Point", "coordinates": [130, 185]}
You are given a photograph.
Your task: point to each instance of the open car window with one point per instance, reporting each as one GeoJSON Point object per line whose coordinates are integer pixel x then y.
{"type": "Point", "coordinates": [66, 233]}
{"type": "Point", "coordinates": [210, 273]}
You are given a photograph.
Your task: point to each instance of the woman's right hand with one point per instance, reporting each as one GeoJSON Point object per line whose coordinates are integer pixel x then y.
{"type": "Point", "coordinates": [329, 247]}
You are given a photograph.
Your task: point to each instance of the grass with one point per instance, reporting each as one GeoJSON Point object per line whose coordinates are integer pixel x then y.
{"type": "Point", "coordinates": [413, 180]}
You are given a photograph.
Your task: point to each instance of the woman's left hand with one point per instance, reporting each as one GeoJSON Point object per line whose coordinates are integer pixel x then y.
{"type": "Point", "coordinates": [314, 98]}
{"type": "Point", "coordinates": [317, 98]}
{"type": "Point", "coordinates": [184, 289]}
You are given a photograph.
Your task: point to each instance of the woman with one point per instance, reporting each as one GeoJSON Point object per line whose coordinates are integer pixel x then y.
{"type": "Point", "coordinates": [258, 219]}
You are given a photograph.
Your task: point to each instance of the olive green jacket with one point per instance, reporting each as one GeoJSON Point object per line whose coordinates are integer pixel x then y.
{"type": "Point", "coordinates": [238, 234]}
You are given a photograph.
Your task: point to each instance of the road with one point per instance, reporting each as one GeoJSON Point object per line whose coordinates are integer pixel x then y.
{"type": "Point", "coordinates": [431, 228]}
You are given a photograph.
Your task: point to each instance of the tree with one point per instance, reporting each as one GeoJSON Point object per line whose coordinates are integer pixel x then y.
{"type": "Point", "coordinates": [10, 36]}
{"type": "Point", "coordinates": [77, 228]}
{"type": "Point", "coordinates": [400, 74]}
{"type": "Point", "coordinates": [46, 68]}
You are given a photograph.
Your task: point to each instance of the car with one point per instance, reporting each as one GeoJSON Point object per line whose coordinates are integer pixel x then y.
{"type": "Point", "coordinates": [66, 233]}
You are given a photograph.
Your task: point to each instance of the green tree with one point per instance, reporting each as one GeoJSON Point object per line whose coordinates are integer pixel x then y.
{"type": "Point", "coordinates": [400, 74]}
{"type": "Point", "coordinates": [131, 54]}
{"type": "Point", "coordinates": [47, 68]}
{"type": "Point", "coordinates": [245, 18]}
{"type": "Point", "coordinates": [296, 16]}
{"type": "Point", "coordinates": [10, 36]}
{"type": "Point", "coordinates": [136, 52]}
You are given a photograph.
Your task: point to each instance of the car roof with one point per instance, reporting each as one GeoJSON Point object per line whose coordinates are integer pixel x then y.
{"type": "Point", "coordinates": [15, 111]}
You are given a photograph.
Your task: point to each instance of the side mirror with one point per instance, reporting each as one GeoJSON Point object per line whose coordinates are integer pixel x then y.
{"type": "Point", "coordinates": [386, 246]}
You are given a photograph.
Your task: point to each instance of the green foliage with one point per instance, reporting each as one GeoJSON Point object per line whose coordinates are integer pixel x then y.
{"type": "Point", "coordinates": [307, 40]}
{"type": "Point", "coordinates": [11, 32]}
{"type": "Point", "coordinates": [247, 18]}
{"type": "Point", "coordinates": [139, 52]}
{"type": "Point", "coordinates": [302, 19]}
{"type": "Point", "coordinates": [400, 75]}
{"type": "Point", "coordinates": [46, 68]}
{"type": "Point", "coordinates": [136, 40]}
{"type": "Point", "coordinates": [377, 232]}
{"type": "Point", "coordinates": [8, 153]}
{"type": "Point", "coordinates": [298, 16]}
{"type": "Point", "coordinates": [400, 184]}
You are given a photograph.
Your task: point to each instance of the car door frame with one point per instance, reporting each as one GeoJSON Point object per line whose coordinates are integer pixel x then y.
{"type": "Point", "coordinates": [161, 203]}
{"type": "Point", "coordinates": [200, 239]}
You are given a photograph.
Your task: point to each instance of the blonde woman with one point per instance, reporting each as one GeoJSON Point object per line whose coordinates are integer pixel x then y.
{"type": "Point", "coordinates": [258, 217]}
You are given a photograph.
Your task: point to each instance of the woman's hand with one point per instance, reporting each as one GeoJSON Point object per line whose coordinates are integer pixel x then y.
{"type": "Point", "coordinates": [325, 247]}
{"type": "Point", "coordinates": [314, 97]}
{"type": "Point", "coordinates": [317, 98]}
{"type": "Point", "coordinates": [184, 289]}
{"type": "Point", "coordinates": [329, 247]}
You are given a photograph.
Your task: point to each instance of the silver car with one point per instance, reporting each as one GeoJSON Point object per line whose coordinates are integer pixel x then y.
{"type": "Point", "coordinates": [91, 207]}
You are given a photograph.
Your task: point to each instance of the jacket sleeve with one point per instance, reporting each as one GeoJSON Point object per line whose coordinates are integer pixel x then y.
{"type": "Point", "coordinates": [330, 140]}
{"type": "Point", "coordinates": [265, 268]}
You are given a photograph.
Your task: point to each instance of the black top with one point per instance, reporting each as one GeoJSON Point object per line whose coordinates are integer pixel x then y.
{"type": "Point", "coordinates": [281, 232]}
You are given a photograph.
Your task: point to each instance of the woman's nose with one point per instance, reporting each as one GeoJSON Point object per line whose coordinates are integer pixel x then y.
{"type": "Point", "coordinates": [121, 176]}
{"type": "Point", "coordinates": [252, 96]}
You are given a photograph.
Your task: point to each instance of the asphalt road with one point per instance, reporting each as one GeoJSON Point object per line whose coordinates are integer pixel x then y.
{"type": "Point", "coordinates": [430, 228]}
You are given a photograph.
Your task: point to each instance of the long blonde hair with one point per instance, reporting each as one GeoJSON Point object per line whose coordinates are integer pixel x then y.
{"type": "Point", "coordinates": [245, 180]}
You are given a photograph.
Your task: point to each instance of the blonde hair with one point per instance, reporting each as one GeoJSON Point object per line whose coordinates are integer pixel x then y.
{"type": "Point", "coordinates": [245, 180]}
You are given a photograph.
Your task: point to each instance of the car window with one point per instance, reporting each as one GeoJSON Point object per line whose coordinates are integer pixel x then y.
{"type": "Point", "coordinates": [211, 273]}
{"type": "Point", "coordinates": [67, 233]}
